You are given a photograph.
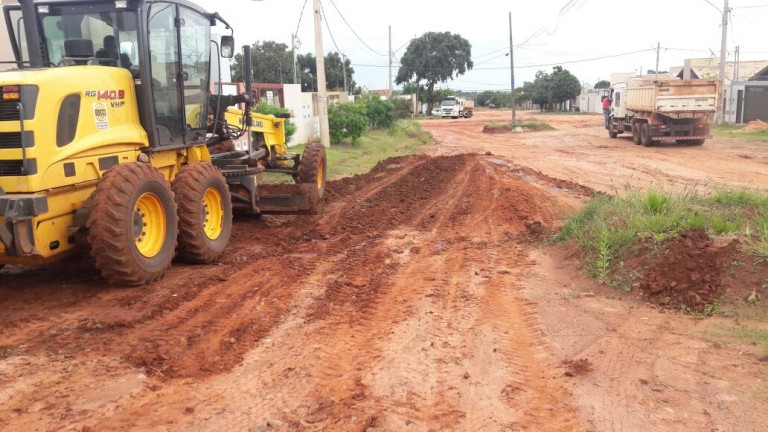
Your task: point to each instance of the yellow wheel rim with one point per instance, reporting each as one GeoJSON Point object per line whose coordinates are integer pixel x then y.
{"type": "Point", "coordinates": [149, 225]}
{"type": "Point", "coordinates": [212, 213]}
{"type": "Point", "coordinates": [320, 175]}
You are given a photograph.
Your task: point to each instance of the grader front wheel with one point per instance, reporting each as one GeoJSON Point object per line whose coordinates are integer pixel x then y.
{"type": "Point", "coordinates": [313, 167]}
{"type": "Point", "coordinates": [205, 212]}
{"type": "Point", "coordinates": [132, 225]}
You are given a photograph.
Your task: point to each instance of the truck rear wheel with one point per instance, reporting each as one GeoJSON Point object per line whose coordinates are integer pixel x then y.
{"type": "Point", "coordinates": [313, 167]}
{"type": "Point", "coordinates": [645, 135]}
{"type": "Point", "coordinates": [636, 133]}
{"type": "Point", "coordinates": [205, 212]}
{"type": "Point", "coordinates": [132, 225]}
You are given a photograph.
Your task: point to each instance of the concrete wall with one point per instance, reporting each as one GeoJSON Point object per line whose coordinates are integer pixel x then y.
{"type": "Point", "coordinates": [731, 100]}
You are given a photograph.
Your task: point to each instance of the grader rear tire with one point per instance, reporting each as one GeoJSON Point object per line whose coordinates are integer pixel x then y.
{"type": "Point", "coordinates": [132, 225]}
{"type": "Point", "coordinates": [313, 167]}
{"type": "Point", "coordinates": [205, 212]}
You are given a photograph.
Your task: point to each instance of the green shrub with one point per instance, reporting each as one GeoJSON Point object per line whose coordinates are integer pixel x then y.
{"type": "Point", "coordinates": [381, 113]}
{"type": "Point", "coordinates": [402, 108]}
{"type": "Point", "coordinates": [267, 109]}
{"type": "Point", "coordinates": [346, 120]}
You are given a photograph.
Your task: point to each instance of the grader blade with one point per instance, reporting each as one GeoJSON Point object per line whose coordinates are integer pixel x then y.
{"type": "Point", "coordinates": [287, 198]}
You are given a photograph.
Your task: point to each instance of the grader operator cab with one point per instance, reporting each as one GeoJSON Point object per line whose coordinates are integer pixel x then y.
{"type": "Point", "coordinates": [113, 139]}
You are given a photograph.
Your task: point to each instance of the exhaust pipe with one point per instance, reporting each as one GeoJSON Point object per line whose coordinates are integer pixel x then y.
{"type": "Point", "coordinates": [248, 78]}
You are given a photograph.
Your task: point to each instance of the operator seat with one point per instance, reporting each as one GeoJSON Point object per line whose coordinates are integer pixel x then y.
{"type": "Point", "coordinates": [78, 51]}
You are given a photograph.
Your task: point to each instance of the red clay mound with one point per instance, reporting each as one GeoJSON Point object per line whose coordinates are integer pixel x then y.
{"type": "Point", "coordinates": [755, 126]}
{"type": "Point", "coordinates": [687, 273]}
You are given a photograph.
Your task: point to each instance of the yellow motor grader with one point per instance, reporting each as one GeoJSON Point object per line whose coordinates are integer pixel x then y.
{"type": "Point", "coordinates": [114, 140]}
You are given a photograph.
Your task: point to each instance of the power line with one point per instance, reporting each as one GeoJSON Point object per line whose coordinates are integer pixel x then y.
{"type": "Point", "coordinates": [752, 7]}
{"type": "Point", "coordinates": [331, 33]}
{"type": "Point", "coordinates": [567, 7]}
{"type": "Point", "coordinates": [571, 61]}
{"type": "Point", "coordinates": [403, 46]}
{"type": "Point", "coordinates": [536, 65]}
{"type": "Point", "coordinates": [713, 5]}
{"type": "Point", "coordinates": [353, 31]}
{"type": "Point", "coordinates": [300, 16]}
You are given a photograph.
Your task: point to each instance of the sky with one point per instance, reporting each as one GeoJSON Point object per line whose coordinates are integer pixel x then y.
{"type": "Point", "coordinates": [590, 38]}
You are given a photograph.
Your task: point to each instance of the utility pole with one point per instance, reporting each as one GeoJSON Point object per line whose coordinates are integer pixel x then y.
{"type": "Point", "coordinates": [723, 41]}
{"type": "Point", "coordinates": [322, 99]}
{"type": "Point", "coordinates": [658, 49]}
{"type": "Point", "coordinates": [512, 72]}
{"type": "Point", "coordinates": [390, 62]}
{"type": "Point", "coordinates": [293, 56]}
{"type": "Point", "coordinates": [344, 72]}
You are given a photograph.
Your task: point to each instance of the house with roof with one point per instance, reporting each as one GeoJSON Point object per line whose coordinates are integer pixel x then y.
{"type": "Point", "coordinates": [745, 88]}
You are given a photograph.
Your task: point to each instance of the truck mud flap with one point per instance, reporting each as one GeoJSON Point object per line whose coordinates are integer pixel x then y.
{"type": "Point", "coordinates": [672, 139]}
{"type": "Point", "coordinates": [287, 198]}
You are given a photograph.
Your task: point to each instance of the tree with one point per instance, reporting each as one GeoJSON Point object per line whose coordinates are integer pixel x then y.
{"type": "Point", "coordinates": [334, 78]}
{"type": "Point", "coordinates": [541, 90]}
{"type": "Point", "coordinates": [604, 84]}
{"type": "Point", "coordinates": [565, 86]}
{"type": "Point", "coordinates": [307, 71]}
{"type": "Point", "coordinates": [271, 63]}
{"type": "Point", "coordinates": [434, 58]}
{"type": "Point", "coordinates": [334, 72]}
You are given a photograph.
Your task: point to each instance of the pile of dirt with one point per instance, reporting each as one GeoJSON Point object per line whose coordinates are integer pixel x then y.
{"type": "Point", "coordinates": [755, 126]}
{"type": "Point", "coordinates": [687, 273]}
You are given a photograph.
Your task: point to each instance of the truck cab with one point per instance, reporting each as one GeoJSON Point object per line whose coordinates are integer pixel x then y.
{"type": "Point", "coordinates": [618, 108]}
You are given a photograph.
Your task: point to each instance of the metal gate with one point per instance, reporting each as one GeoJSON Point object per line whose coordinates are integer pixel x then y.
{"type": "Point", "coordinates": [756, 103]}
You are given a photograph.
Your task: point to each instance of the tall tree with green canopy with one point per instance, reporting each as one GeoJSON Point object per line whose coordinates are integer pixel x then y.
{"type": "Point", "coordinates": [541, 90]}
{"type": "Point", "coordinates": [603, 84]}
{"type": "Point", "coordinates": [434, 58]}
{"type": "Point", "coordinates": [334, 72]}
{"type": "Point", "coordinates": [565, 86]}
{"type": "Point", "coordinates": [271, 63]}
{"type": "Point", "coordinates": [334, 77]}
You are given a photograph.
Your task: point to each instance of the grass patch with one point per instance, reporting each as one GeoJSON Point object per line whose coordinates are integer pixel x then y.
{"type": "Point", "coordinates": [530, 125]}
{"type": "Point", "coordinates": [734, 131]}
{"type": "Point", "coordinates": [608, 228]}
{"type": "Point", "coordinates": [405, 138]}
{"type": "Point", "coordinates": [743, 333]}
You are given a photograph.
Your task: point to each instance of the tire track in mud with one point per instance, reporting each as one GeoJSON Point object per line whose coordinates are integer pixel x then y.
{"type": "Point", "coordinates": [390, 340]}
{"type": "Point", "coordinates": [396, 307]}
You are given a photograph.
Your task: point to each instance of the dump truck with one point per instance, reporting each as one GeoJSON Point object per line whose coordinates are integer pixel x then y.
{"type": "Point", "coordinates": [456, 107]}
{"type": "Point", "coordinates": [664, 111]}
{"type": "Point", "coordinates": [127, 151]}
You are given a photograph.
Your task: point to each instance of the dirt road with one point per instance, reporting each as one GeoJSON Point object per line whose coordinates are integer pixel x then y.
{"type": "Point", "coordinates": [580, 151]}
{"type": "Point", "coordinates": [418, 300]}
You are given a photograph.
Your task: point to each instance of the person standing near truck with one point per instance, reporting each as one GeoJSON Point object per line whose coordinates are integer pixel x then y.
{"type": "Point", "coordinates": [606, 109]}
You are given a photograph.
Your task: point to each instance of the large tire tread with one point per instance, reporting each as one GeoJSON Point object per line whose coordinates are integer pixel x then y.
{"type": "Point", "coordinates": [189, 187]}
{"type": "Point", "coordinates": [645, 135]}
{"type": "Point", "coordinates": [314, 164]}
{"type": "Point", "coordinates": [109, 225]}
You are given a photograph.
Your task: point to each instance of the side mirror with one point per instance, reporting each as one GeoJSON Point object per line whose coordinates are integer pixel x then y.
{"type": "Point", "coordinates": [227, 46]}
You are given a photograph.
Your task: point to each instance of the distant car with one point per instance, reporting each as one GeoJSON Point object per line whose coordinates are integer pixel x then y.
{"type": "Point", "coordinates": [436, 112]}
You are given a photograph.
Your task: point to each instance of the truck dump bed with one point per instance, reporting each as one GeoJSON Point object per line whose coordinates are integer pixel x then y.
{"type": "Point", "coordinates": [672, 97]}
